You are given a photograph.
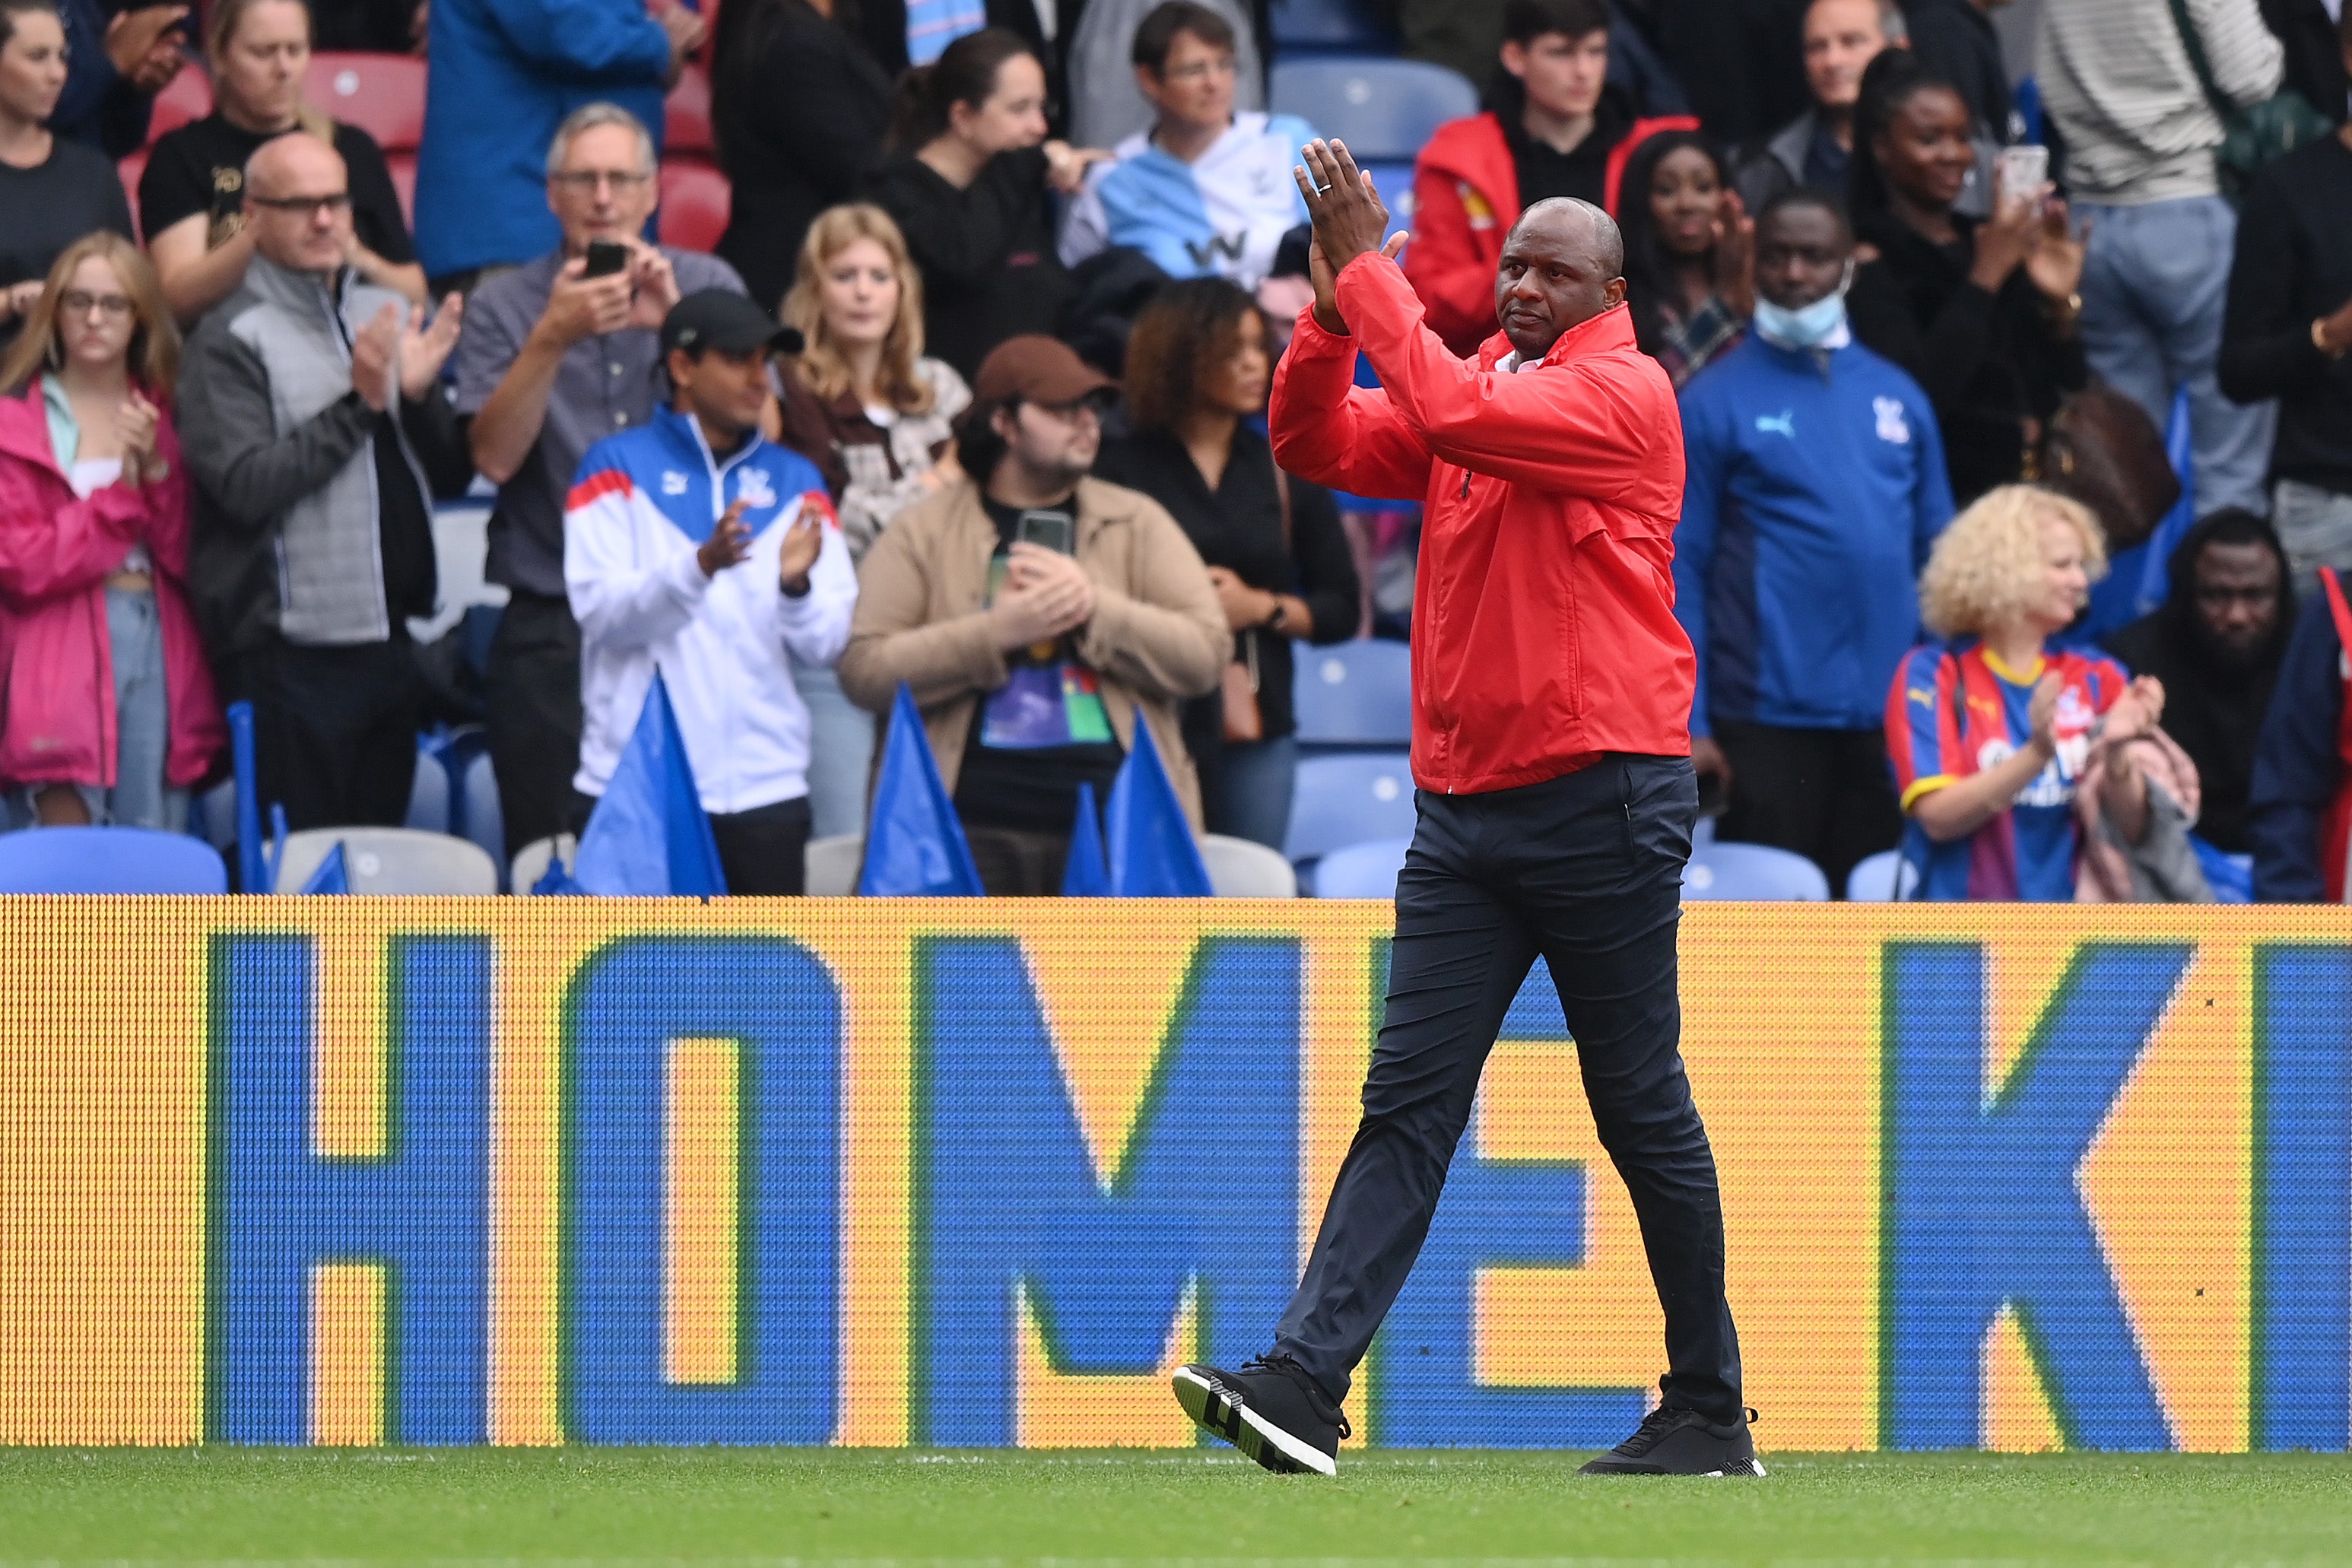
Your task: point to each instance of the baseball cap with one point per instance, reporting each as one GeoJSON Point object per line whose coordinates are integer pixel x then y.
{"type": "Point", "coordinates": [723, 320]}
{"type": "Point", "coordinates": [1035, 368]}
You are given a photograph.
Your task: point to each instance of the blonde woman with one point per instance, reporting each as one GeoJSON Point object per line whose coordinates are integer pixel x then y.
{"type": "Point", "coordinates": [111, 715]}
{"type": "Point", "coordinates": [192, 197]}
{"type": "Point", "coordinates": [877, 417]}
{"type": "Point", "coordinates": [1989, 729]}
{"type": "Point", "coordinates": [876, 414]}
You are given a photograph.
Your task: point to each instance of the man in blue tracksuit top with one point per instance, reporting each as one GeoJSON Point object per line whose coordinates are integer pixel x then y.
{"type": "Point", "coordinates": [1816, 485]}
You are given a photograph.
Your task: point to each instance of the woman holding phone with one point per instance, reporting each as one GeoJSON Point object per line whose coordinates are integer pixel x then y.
{"type": "Point", "coordinates": [111, 716]}
{"type": "Point", "coordinates": [1983, 315]}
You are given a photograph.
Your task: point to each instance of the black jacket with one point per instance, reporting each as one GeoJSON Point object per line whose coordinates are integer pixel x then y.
{"type": "Point", "coordinates": [799, 110]}
{"type": "Point", "coordinates": [989, 267]}
{"type": "Point", "coordinates": [1989, 363]}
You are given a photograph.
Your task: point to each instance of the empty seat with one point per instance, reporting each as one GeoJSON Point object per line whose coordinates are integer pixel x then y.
{"type": "Point", "coordinates": [1353, 694]}
{"type": "Point", "coordinates": [1752, 871]}
{"type": "Point", "coordinates": [531, 861]}
{"type": "Point", "coordinates": [188, 96]}
{"type": "Point", "coordinates": [1361, 870]}
{"type": "Point", "coordinates": [686, 115]}
{"type": "Point", "coordinates": [1885, 877]}
{"type": "Point", "coordinates": [1330, 24]}
{"type": "Point", "coordinates": [1241, 869]}
{"type": "Point", "coordinates": [383, 95]}
{"type": "Point", "coordinates": [389, 860]}
{"type": "Point", "coordinates": [1385, 110]}
{"type": "Point", "coordinates": [109, 860]}
{"type": "Point", "coordinates": [694, 202]}
{"type": "Point", "coordinates": [1348, 797]}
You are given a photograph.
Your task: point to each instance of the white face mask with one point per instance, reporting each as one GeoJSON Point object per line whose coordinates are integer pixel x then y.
{"type": "Point", "coordinates": [1810, 326]}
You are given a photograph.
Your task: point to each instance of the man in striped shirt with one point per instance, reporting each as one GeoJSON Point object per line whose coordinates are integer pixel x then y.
{"type": "Point", "coordinates": [2141, 137]}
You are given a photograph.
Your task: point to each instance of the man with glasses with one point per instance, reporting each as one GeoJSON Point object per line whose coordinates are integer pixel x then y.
{"type": "Point", "coordinates": [318, 436]}
{"type": "Point", "coordinates": [1035, 612]}
{"type": "Point", "coordinates": [1203, 191]}
{"type": "Point", "coordinates": [553, 361]}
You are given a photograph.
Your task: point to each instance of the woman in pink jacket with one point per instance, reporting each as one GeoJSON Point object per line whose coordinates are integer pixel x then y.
{"type": "Point", "coordinates": [107, 710]}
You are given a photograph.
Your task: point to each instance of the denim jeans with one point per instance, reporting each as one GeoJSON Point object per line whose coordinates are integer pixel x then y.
{"type": "Point", "coordinates": [140, 798]}
{"type": "Point", "coordinates": [2154, 287]}
{"type": "Point", "coordinates": [1584, 871]}
{"type": "Point", "coordinates": [841, 752]}
{"type": "Point", "coordinates": [2316, 526]}
{"type": "Point", "coordinates": [1254, 791]}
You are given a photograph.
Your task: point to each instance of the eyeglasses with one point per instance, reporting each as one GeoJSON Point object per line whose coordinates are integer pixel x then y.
{"type": "Point", "coordinates": [309, 207]}
{"type": "Point", "coordinates": [1201, 70]}
{"type": "Point", "coordinates": [586, 181]}
{"type": "Point", "coordinates": [81, 302]}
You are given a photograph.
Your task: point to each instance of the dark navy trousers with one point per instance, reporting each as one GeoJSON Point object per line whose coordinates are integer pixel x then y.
{"type": "Point", "coordinates": [1585, 871]}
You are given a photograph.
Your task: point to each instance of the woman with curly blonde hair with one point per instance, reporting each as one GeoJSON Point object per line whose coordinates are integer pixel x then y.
{"type": "Point", "coordinates": [1991, 728]}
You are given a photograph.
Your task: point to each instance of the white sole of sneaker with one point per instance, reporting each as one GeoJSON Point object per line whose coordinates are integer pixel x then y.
{"type": "Point", "coordinates": [1258, 1439]}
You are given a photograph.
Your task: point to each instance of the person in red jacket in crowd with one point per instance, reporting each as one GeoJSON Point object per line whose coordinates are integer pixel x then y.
{"type": "Point", "coordinates": [1551, 691]}
{"type": "Point", "coordinates": [1556, 129]}
{"type": "Point", "coordinates": [109, 711]}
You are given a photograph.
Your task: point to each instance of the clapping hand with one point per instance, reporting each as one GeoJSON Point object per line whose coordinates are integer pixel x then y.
{"type": "Point", "coordinates": [802, 542]}
{"type": "Point", "coordinates": [1735, 256]}
{"type": "Point", "coordinates": [424, 350]}
{"type": "Point", "coordinates": [1348, 219]}
{"type": "Point", "coordinates": [728, 542]}
{"type": "Point", "coordinates": [374, 347]}
{"type": "Point", "coordinates": [136, 424]}
{"type": "Point", "coordinates": [2055, 262]}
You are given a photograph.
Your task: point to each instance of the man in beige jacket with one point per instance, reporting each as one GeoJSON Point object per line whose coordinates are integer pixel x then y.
{"type": "Point", "coordinates": [1033, 611]}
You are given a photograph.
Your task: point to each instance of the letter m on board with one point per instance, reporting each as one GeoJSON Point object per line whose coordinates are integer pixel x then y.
{"type": "Point", "coordinates": [1203, 1198]}
{"type": "Point", "coordinates": [1982, 1210]}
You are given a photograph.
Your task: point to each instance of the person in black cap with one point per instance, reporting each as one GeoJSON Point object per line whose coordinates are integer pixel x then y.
{"type": "Point", "coordinates": [694, 546]}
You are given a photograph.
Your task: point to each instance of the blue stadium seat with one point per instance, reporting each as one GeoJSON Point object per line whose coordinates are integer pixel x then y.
{"type": "Point", "coordinates": [109, 860]}
{"type": "Point", "coordinates": [1348, 797]}
{"type": "Point", "coordinates": [477, 800]}
{"type": "Point", "coordinates": [1353, 694]}
{"type": "Point", "coordinates": [1884, 878]}
{"type": "Point", "coordinates": [1383, 108]}
{"type": "Point", "coordinates": [1361, 870]}
{"type": "Point", "coordinates": [1329, 25]}
{"type": "Point", "coordinates": [1752, 871]}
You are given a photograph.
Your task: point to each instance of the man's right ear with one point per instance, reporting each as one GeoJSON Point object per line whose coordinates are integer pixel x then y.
{"type": "Point", "coordinates": [1515, 57]}
{"type": "Point", "coordinates": [1004, 419]}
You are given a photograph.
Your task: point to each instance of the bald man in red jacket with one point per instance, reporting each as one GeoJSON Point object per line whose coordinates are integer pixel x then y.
{"type": "Point", "coordinates": [1551, 694]}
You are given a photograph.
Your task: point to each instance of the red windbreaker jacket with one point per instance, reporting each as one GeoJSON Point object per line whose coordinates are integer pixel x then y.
{"type": "Point", "coordinates": [1465, 197]}
{"type": "Point", "coordinates": [1543, 611]}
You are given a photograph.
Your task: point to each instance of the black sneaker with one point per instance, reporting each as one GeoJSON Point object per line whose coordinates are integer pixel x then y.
{"type": "Point", "coordinates": [1270, 1410]}
{"type": "Point", "coordinates": [1681, 1443]}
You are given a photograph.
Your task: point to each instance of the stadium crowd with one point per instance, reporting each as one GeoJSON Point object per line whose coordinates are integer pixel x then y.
{"type": "Point", "coordinates": [967, 396]}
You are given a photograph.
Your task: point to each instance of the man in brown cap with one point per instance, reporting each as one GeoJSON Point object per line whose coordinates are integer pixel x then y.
{"type": "Point", "coordinates": [1035, 612]}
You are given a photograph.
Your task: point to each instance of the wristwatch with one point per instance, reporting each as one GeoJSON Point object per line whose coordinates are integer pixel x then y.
{"type": "Point", "coordinates": [1273, 623]}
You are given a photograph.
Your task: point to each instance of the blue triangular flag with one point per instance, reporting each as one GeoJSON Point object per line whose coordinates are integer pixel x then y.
{"type": "Point", "coordinates": [333, 875]}
{"type": "Point", "coordinates": [1084, 875]}
{"type": "Point", "coordinates": [649, 835]}
{"type": "Point", "coordinates": [913, 842]}
{"type": "Point", "coordinates": [1152, 855]}
{"type": "Point", "coordinates": [555, 881]}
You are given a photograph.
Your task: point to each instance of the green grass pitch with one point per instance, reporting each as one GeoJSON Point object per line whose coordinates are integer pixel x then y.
{"type": "Point", "coordinates": [778, 1505]}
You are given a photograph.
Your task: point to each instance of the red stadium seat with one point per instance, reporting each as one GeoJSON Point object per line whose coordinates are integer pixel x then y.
{"type": "Point", "coordinates": [383, 95]}
{"type": "Point", "coordinates": [685, 114]}
{"type": "Point", "coordinates": [131, 166]}
{"type": "Point", "coordinates": [403, 169]}
{"type": "Point", "coordinates": [695, 201]}
{"type": "Point", "coordinates": [187, 97]}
